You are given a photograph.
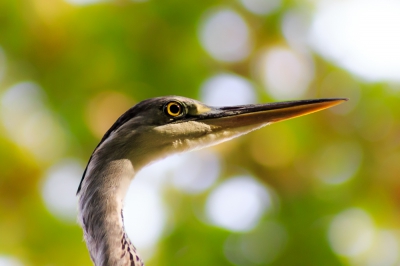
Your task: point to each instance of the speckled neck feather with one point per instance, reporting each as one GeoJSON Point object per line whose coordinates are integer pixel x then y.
{"type": "Point", "coordinates": [101, 214]}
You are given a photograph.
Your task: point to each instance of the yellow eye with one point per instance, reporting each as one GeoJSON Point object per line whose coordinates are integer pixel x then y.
{"type": "Point", "coordinates": [174, 109]}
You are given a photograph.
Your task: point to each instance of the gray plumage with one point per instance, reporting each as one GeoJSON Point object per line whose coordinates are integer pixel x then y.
{"type": "Point", "coordinates": [149, 131]}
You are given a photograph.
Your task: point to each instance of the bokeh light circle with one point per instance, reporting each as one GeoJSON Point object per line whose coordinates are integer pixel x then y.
{"type": "Point", "coordinates": [227, 89]}
{"type": "Point", "coordinates": [9, 261]}
{"type": "Point", "coordinates": [351, 232]}
{"type": "Point", "coordinates": [261, 7]}
{"type": "Point", "coordinates": [365, 40]}
{"type": "Point", "coordinates": [225, 35]}
{"type": "Point", "coordinates": [285, 73]}
{"type": "Point", "coordinates": [59, 189]}
{"type": "Point", "coordinates": [197, 172]}
{"type": "Point", "coordinates": [238, 203]}
{"type": "Point", "coordinates": [144, 215]}
{"type": "Point", "coordinates": [30, 124]}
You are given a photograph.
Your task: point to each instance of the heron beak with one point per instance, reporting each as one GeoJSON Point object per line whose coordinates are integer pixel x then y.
{"type": "Point", "coordinates": [263, 114]}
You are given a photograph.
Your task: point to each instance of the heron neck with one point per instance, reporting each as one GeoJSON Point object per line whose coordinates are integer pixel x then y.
{"type": "Point", "coordinates": [100, 212]}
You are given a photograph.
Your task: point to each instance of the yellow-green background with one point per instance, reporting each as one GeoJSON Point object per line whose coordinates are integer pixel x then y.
{"type": "Point", "coordinates": [142, 50]}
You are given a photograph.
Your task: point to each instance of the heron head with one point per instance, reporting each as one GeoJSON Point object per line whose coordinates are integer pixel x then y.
{"type": "Point", "coordinates": [162, 126]}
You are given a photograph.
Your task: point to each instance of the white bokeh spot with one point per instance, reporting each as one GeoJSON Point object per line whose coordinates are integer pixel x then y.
{"type": "Point", "coordinates": [59, 189]}
{"type": "Point", "coordinates": [362, 36]}
{"type": "Point", "coordinates": [295, 27]}
{"type": "Point", "coordinates": [286, 74]}
{"type": "Point", "coordinates": [238, 203]}
{"type": "Point", "coordinates": [225, 35]}
{"type": "Point", "coordinates": [9, 261]}
{"type": "Point", "coordinates": [197, 172]}
{"type": "Point", "coordinates": [351, 232]}
{"type": "Point", "coordinates": [384, 250]}
{"type": "Point", "coordinates": [227, 89]}
{"type": "Point", "coordinates": [29, 123]}
{"type": "Point", "coordinates": [261, 7]}
{"type": "Point", "coordinates": [144, 215]}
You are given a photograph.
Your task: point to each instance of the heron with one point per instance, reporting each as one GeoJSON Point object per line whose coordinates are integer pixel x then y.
{"type": "Point", "coordinates": [149, 131]}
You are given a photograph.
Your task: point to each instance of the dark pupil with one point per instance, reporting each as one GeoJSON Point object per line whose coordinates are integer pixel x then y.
{"type": "Point", "coordinates": [175, 109]}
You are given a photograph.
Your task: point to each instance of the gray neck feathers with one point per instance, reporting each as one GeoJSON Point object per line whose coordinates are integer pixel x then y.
{"type": "Point", "coordinates": [101, 198]}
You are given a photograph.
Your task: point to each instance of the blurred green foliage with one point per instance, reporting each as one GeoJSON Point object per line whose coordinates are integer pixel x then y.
{"type": "Point", "coordinates": [152, 48]}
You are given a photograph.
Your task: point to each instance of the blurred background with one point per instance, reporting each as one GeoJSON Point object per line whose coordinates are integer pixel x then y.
{"type": "Point", "coordinates": [318, 190]}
